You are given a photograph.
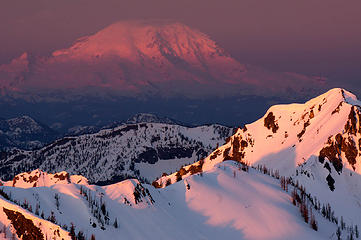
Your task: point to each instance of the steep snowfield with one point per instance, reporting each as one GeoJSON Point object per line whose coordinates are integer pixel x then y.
{"type": "Point", "coordinates": [317, 144]}
{"type": "Point", "coordinates": [144, 150]}
{"type": "Point", "coordinates": [224, 202]}
{"type": "Point", "coordinates": [137, 58]}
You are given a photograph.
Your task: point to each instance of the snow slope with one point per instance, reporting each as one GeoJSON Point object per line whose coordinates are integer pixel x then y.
{"type": "Point", "coordinates": [317, 144]}
{"type": "Point", "coordinates": [223, 202]}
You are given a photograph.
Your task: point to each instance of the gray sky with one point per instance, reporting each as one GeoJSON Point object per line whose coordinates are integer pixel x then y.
{"type": "Point", "coordinates": [318, 37]}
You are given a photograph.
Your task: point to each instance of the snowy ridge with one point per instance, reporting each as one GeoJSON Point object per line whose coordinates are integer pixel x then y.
{"type": "Point", "coordinates": [149, 118]}
{"type": "Point", "coordinates": [313, 144]}
{"type": "Point", "coordinates": [38, 178]}
{"type": "Point", "coordinates": [144, 150]}
{"type": "Point", "coordinates": [317, 144]}
{"type": "Point", "coordinates": [224, 202]}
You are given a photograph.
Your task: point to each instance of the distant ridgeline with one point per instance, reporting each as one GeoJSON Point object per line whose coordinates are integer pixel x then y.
{"type": "Point", "coordinates": [142, 150]}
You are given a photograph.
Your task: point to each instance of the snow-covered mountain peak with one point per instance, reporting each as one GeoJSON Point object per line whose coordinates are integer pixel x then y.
{"type": "Point", "coordinates": [316, 144]}
{"type": "Point", "coordinates": [38, 178]}
{"type": "Point", "coordinates": [131, 39]}
{"type": "Point", "coordinates": [289, 135]}
{"type": "Point", "coordinates": [336, 95]}
{"type": "Point", "coordinates": [142, 58]}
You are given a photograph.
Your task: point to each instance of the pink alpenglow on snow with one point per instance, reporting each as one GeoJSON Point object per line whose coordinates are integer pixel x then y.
{"type": "Point", "coordinates": [147, 57]}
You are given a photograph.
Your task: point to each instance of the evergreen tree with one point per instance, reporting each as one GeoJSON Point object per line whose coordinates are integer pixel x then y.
{"type": "Point", "coordinates": [103, 208]}
{"type": "Point", "coordinates": [313, 223]}
{"type": "Point", "coordinates": [343, 225]}
{"type": "Point", "coordinates": [338, 233]}
{"type": "Point", "coordinates": [350, 237]}
{"type": "Point", "coordinates": [115, 223]}
{"type": "Point", "coordinates": [304, 211]}
{"type": "Point", "coordinates": [37, 207]}
{"type": "Point", "coordinates": [52, 217]}
{"type": "Point", "coordinates": [4, 231]}
{"type": "Point", "coordinates": [80, 236]}
{"type": "Point", "coordinates": [72, 232]}
{"type": "Point", "coordinates": [356, 232]}
{"type": "Point", "coordinates": [57, 203]}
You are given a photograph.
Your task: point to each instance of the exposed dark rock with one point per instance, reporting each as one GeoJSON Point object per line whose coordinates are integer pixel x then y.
{"type": "Point", "coordinates": [215, 154]}
{"type": "Point", "coordinates": [350, 126]}
{"type": "Point", "coordinates": [359, 120]}
{"type": "Point", "coordinates": [25, 228]}
{"type": "Point", "coordinates": [196, 168]}
{"type": "Point", "coordinates": [327, 166]}
{"type": "Point", "coordinates": [156, 184]}
{"type": "Point", "coordinates": [330, 182]}
{"type": "Point", "coordinates": [244, 144]}
{"type": "Point", "coordinates": [180, 174]}
{"type": "Point", "coordinates": [305, 125]}
{"type": "Point", "coordinates": [269, 122]}
{"type": "Point", "coordinates": [312, 114]}
{"type": "Point", "coordinates": [337, 109]}
{"type": "Point", "coordinates": [226, 154]}
{"type": "Point", "coordinates": [350, 150]}
{"type": "Point", "coordinates": [331, 152]}
{"type": "Point", "coordinates": [62, 176]}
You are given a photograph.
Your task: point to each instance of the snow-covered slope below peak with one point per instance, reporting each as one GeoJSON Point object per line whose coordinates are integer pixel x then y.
{"type": "Point", "coordinates": [317, 144]}
{"type": "Point", "coordinates": [288, 135]}
{"type": "Point", "coordinates": [222, 203]}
